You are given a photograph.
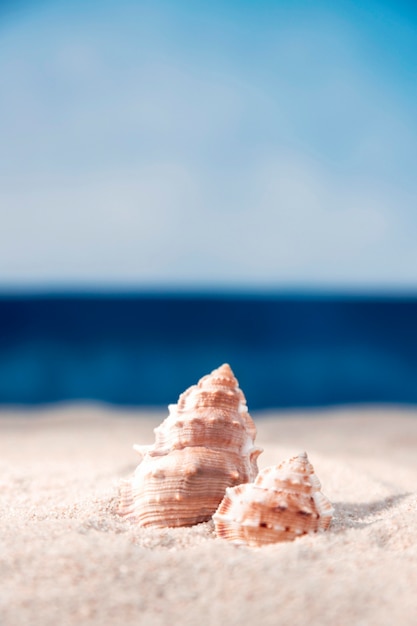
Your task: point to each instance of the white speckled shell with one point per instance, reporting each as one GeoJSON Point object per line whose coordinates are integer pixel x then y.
{"type": "Point", "coordinates": [283, 503]}
{"type": "Point", "coordinates": [205, 445]}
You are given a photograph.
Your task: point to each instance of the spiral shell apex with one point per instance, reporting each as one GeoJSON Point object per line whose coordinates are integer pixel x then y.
{"type": "Point", "coordinates": [283, 503]}
{"type": "Point", "coordinates": [205, 445]}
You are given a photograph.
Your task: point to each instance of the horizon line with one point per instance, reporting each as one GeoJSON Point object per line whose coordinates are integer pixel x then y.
{"type": "Point", "coordinates": [206, 291]}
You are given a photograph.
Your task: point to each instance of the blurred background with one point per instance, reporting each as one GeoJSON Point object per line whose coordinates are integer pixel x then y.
{"type": "Point", "coordinates": [184, 184]}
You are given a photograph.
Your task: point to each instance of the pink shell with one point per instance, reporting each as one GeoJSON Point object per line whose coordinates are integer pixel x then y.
{"type": "Point", "coordinates": [205, 445]}
{"type": "Point", "coordinates": [283, 503]}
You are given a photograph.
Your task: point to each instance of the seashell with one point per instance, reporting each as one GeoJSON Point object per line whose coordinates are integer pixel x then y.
{"type": "Point", "coordinates": [283, 503]}
{"type": "Point", "coordinates": [204, 445]}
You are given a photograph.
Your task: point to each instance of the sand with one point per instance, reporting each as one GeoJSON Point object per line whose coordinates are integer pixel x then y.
{"type": "Point", "coordinates": [67, 559]}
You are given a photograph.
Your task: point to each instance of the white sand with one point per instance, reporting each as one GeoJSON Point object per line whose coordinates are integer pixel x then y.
{"type": "Point", "coordinates": [67, 559]}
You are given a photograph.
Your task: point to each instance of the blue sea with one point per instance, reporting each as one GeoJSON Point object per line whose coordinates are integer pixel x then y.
{"type": "Point", "coordinates": [145, 349]}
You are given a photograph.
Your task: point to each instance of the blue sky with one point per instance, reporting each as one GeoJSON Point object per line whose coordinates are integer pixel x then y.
{"type": "Point", "coordinates": [193, 144]}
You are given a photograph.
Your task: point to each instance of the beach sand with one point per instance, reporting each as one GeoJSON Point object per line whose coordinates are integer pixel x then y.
{"type": "Point", "coordinates": [66, 558]}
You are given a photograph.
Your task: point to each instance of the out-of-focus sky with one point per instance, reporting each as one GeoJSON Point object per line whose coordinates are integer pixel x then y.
{"type": "Point", "coordinates": [208, 143]}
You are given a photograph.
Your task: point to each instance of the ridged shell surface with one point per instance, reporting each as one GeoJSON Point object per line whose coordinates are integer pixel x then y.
{"type": "Point", "coordinates": [205, 445]}
{"type": "Point", "coordinates": [283, 503]}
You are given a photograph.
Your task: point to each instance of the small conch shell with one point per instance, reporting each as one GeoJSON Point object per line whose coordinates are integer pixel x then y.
{"type": "Point", "coordinates": [283, 503]}
{"type": "Point", "coordinates": [205, 445]}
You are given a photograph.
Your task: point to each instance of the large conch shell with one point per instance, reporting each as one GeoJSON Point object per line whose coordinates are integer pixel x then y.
{"type": "Point", "coordinates": [283, 503]}
{"type": "Point", "coordinates": [204, 445]}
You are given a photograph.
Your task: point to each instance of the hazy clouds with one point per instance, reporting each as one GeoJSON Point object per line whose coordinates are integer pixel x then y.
{"type": "Point", "coordinates": [215, 147]}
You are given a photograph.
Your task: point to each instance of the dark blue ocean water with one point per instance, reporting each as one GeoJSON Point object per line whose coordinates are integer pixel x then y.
{"type": "Point", "coordinates": [286, 351]}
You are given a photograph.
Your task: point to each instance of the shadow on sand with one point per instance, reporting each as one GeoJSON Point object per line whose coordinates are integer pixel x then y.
{"type": "Point", "coordinates": [356, 514]}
